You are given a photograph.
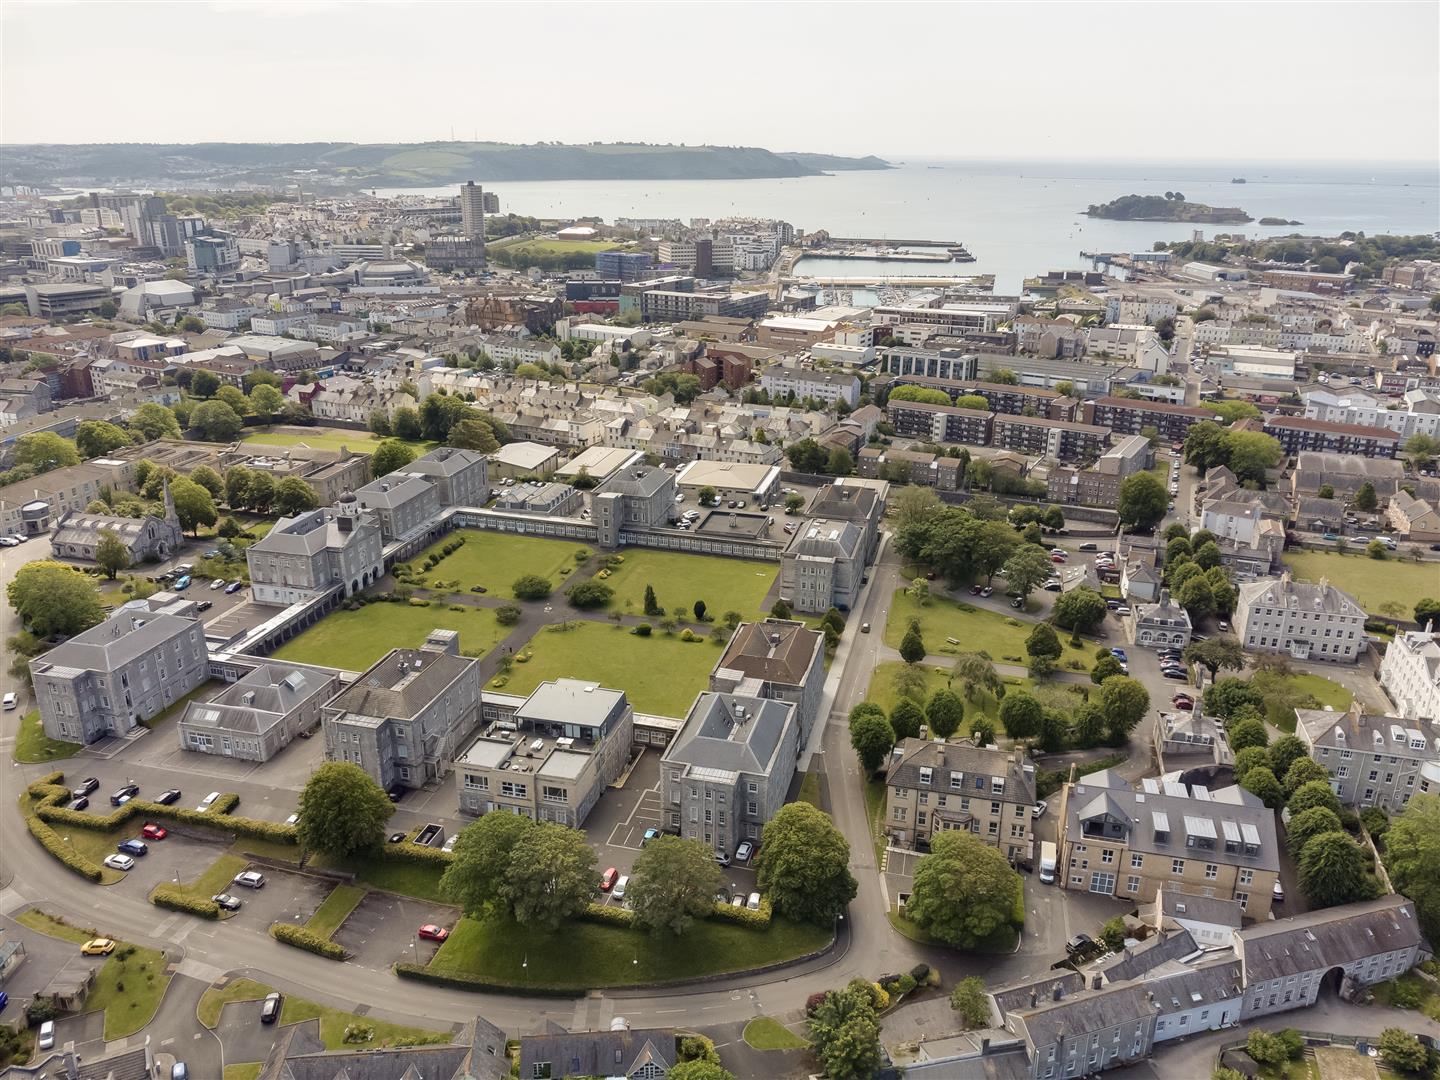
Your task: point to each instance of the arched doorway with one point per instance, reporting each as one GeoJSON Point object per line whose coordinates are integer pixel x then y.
{"type": "Point", "coordinates": [1330, 983]}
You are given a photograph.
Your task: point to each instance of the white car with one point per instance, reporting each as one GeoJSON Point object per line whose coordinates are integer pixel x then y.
{"type": "Point", "coordinates": [449, 844]}
{"type": "Point", "coordinates": [218, 583]}
{"type": "Point", "coordinates": [10, 701]}
{"type": "Point", "coordinates": [9, 541]}
{"type": "Point", "coordinates": [207, 802]}
{"type": "Point", "coordinates": [251, 879]}
{"type": "Point", "coordinates": [119, 862]}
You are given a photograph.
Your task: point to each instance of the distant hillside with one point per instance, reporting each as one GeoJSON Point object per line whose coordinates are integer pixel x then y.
{"type": "Point", "coordinates": [1171, 206]}
{"type": "Point", "coordinates": [350, 166]}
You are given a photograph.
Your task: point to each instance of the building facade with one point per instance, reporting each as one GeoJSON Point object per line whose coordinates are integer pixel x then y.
{"type": "Point", "coordinates": [305, 556]}
{"type": "Point", "coordinates": [1410, 673]}
{"type": "Point", "coordinates": [934, 786]}
{"type": "Point", "coordinates": [1307, 621]}
{"type": "Point", "coordinates": [1373, 760]}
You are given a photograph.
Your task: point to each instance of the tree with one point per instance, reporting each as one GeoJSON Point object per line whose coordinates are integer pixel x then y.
{"type": "Point", "coordinates": [438, 414]}
{"type": "Point", "coordinates": [1266, 1048]}
{"type": "Point", "coordinates": [840, 463]}
{"type": "Point", "coordinates": [872, 737]}
{"type": "Point", "coordinates": [342, 811]}
{"type": "Point", "coordinates": [1327, 491]}
{"type": "Point", "coordinates": [481, 860]}
{"type": "Point", "coordinates": [912, 645]}
{"type": "Point", "coordinates": [794, 503]}
{"type": "Point", "coordinates": [390, 455]}
{"type": "Point", "coordinates": [1021, 714]}
{"type": "Point", "coordinates": [1224, 696]}
{"type": "Point", "coordinates": [1142, 500]}
{"type": "Point", "coordinates": [781, 609]}
{"type": "Point", "coordinates": [1375, 550]}
{"type": "Point", "coordinates": [44, 450]}
{"type": "Point", "coordinates": [964, 891]}
{"type": "Point", "coordinates": [699, 1070]}
{"type": "Point", "coordinates": [807, 456]}
{"type": "Point", "coordinates": [193, 504]}
{"type": "Point", "coordinates": [845, 1033]}
{"type": "Point", "coordinates": [111, 554]}
{"type": "Point", "coordinates": [551, 876]}
{"type": "Point", "coordinates": [1427, 610]}
{"type": "Point", "coordinates": [674, 882]}
{"type": "Point", "coordinates": [265, 401]}
{"type": "Point", "coordinates": [261, 490]}
{"type": "Point", "coordinates": [1284, 752]}
{"type": "Point", "coordinates": [1027, 569]}
{"type": "Point", "coordinates": [652, 605]}
{"type": "Point", "coordinates": [1216, 653]}
{"type": "Point", "coordinates": [52, 598]}
{"type": "Point", "coordinates": [1125, 702]}
{"type": "Point", "coordinates": [945, 713]}
{"type": "Point", "coordinates": [154, 421]}
{"type": "Point", "coordinates": [1104, 668]}
{"type": "Point", "coordinates": [237, 486]}
{"type": "Point", "coordinates": [1043, 643]}
{"type": "Point", "coordinates": [1248, 733]}
{"type": "Point", "coordinates": [977, 673]}
{"type": "Point", "coordinates": [1261, 783]}
{"type": "Point", "coordinates": [1251, 757]}
{"type": "Point", "coordinates": [804, 865]}
{"type": "Point", "coordinates": [477, 434]}
{"type": "Point", "coordinates": [204, 383]}
{"type": "Point", "coordinates": [1365, 498]}
{"type": "Point", "coordinates": [379, 423]}
{"type": "Point", "coordinates": [912, 505]}
{"type": "Point", "coordinates": [1412, 856]}
{"type": "Point", "coordinates": [406, 423]}
{"type": "Point", "coordinates": [229, 528]}
{"type": "Point", "coordinates": [1206, 446]}
{"type": "Point", "coordinates": [924, 394]}
{"type": "Point", "coordinates": [294, 496]}
{"type": "Point", "coordinates": [1300, 772]}
{"type": "Point", "coordinates": [531, 587]}
{"type": "Point", "coordinates": [590, 594]}
{"type": "Point", "coordinates": [1207, 556]}
{"type": "Point", "coordinates": [1080, 610]}
{"type": "Point", "coordinates": [1251, 453]}
{"type": "Point", "coordinates": [970, 1000]}
{"type": "Point", "coordinates": [216, 422]}
{"type": "Point", "coordinates": [1307, 825]}
{"type": "Point", "coordinates": [1196, 597]}
{"type": "Point", "coordinates": [1334, 870]}
{"type": "Point", "coordinates": [1402, 1051]}
{"type": "Point", "coordinates": [906, 718]}
{"type": "Point", "coordinates": [1313, 793]}
{"type": "Point", "coordinates": [96, 437]}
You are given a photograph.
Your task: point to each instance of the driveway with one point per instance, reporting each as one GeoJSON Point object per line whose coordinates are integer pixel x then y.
{"type": "Point", "coordinates": [382, 930]}
{"type": "Point", "coordinates": [241, 1033]}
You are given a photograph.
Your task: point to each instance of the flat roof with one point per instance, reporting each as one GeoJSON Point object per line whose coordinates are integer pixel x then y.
{"type": "Point", "coordinates": [727, 474]}
{"type": "Point", "coordinates": [599, 461]}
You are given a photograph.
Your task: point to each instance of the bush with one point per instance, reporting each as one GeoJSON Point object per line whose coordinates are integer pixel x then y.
{"type": "Point", "coordinates": [603, 913]}
{"type": "Point", "coordinates": [173, 898]}
{"type": "Point", "coordinates": [416, 855]}
{"type": "Point", "coordinates": [307, 940]}
{"type": "Point", "coordinates": [507, 615]}
{"type": "Point", "coordinates": [531, 587]}
{"type": "Point", "coordinates": [416, 601]}
{"type": "Point", "coordinates": [52, 842]}
{"type": "Point", "coordinates": [644, 629]}
{"type": "Point", "coordinates": [358, 1033]}
{"type": "Point", "coordinates": [743, 915]}
{"type": "Point", "coordinates": [421, 973]}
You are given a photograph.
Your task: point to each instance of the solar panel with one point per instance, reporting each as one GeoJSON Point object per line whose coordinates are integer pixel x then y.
{"type": "Point", "coordinates": [1251, 834]}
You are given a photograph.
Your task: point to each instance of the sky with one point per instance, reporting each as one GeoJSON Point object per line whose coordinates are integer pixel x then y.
{"type": "Point", "coordinates": [1153, 81]}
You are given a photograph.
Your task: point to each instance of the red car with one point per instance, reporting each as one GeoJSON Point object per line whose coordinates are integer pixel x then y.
{"type": "Point", "coordinates": [1184, 703]}
{"type": "Point", "coordinates": [151, 831]}
{"type": "Point", "coordinates": [431, 932]}
{"type": "Point", "coordinates": [1057, 558]}
{"type": "Point", "coordinates": [608, 878]}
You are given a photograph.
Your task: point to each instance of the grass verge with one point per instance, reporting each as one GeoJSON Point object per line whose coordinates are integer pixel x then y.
{"type": "Point", "coordinates": [359, 638]}
{"type": "Point", "coordinates": [335, 910]}
{"type": "Point", "coordinates": [333, 1022]}
{"type": "Point", "coordinates": [249, 1070]}
{"type": "Point", "coordinates": [767, 1033]}
{"type": "Point", "coordinates": [34, 747]}
{"type": "Point", "coordinates": [810, 789]}
{"type": "Point", "coordinates": [216, 998]}
{"type": "Point", "coordinates": [220, 874]}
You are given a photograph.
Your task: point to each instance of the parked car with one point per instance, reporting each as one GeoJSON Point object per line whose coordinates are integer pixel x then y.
{"type": "Point", "coordinates": [650, 834]}
{"type": "Point", "coordinates": [608, 879]}
{"type": "Point", "coordinates": [181, 583]}
{"type": "Point", "coordinates": [270, 1008]}
{"type": "Point", "coordinates": [1119, 654]}
{"type": "Point", "coordinates": [79, 804]}
{"type": "Point", "coordinates": [166, 798]}
{"type": "Point", "coordinates": [9, 541]}
{"type": "Point", "coordinates": [395, 792]}
{"type": "Point", "coordinates": [1088, 546]}
{"type": "Point", "coordinates": [10, 701]}
{"type": "Point", "coordinates": [234, 587]}
{"type": "Point", "coordinates": [864, 628]}
{"type": "Point", "coordinates": [133, 847]}
{"type": "Point", "coordinates": [744, 851]}
{"type": "Point", "coordinates": [1185, 706]}
{"type": "Point", "coordinates": [753, 903]}
{"type": "Point", "coordinates": [1277, 892]}
{"type": "Point", "coordinates": [1038, 810]}
{"type": "Point", "coordinates": [251, 879]}
{"type": "Point", "coordinates": [218, 583]}
{"type": "Point", "coordinates": [987, 591]}
{"type": "Point", "coordinates": [100, 946]}
{"type": "Point", "coordinates": [1079, 943]}
{"type": "Point", "coordinates": [1123, 610]}
{"type": "Point", "coordinates": [721, 859]}
{"type": "Point", "coordinates": [226, 901]}
{"type": "Point", "coordinates": [1052, 586]}
{"type": "Point", "coordinates": [204, 605]}
{"type": "Point", "coordinates": [431, 932]}
{"type": "Point", "coordinates": [207, 802]}
{"type": "Point", "coordinates": [119, 862]}
{"type": "Point", "coordinates": [1057, 558]}
{"type": "Point", "coordinates": [125, 794]}
{"type": "Point", "coordinates": [974, 590]}
{"type": "Point", "coordinates": [179, 1071]}
{"type": "Point", "coordinates": [85, 787]}
{"type": "Point", "coordinates": [1175, 673]}
{"type": "Point", "coordinates": [152, 831]}
{"type": "Point", "coordinates": [294, 819]}
{"type": "Point", "coordinates": [620, 886]}
{"type": "Point", "coordinates": [45, 1040]}
{"type": "Point", "coordinates": [397, 838]}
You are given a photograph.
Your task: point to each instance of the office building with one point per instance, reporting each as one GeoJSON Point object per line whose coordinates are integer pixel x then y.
{"type": "Point", "coordinates": [933, 786]}
{"type": "Point", "coordinates": [259, 714]}
{"type": "Point", "coordinates": [778, 659]}
{"type": "Point", "coordinates": [472, 211]}
{"type": "Point", "coordinates": [1307, 621]}
{"type": "Point", "coordinates": [303, 557]}
{"type": "Point", "coordinates": [622, 265]}
{"type": "Point", "coordinates": [212, 252]}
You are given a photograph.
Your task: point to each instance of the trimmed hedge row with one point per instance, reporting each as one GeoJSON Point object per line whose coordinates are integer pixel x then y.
{"type": "Point", "coordinates": [418, 854]}
{"type": "Point", "coordinates": [168, 896]}
{"type": "Point", "coordinates": [52, 842]}
{"type": "Point", "coordinates": [744, 916]}
{"type": "Point", "coordinates": [600, 913]}
{"type": "Point", "coordinates": [307, 940]}
{"type": "Point", "coordinates": [420, 973]}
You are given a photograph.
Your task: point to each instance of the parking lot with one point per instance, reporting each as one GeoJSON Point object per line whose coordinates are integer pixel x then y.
{"type": "Point", "coordinates": [382, 930]}
{"type": "Point", "coordinates": [242, 1034]}
{"type": "Point", "coordinates": [176, 859]}
{"type": "Point", "coordinates": [286, 897]}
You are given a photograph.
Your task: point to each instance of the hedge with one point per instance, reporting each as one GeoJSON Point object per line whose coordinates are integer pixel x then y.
{"type": "Point", "coordinates": [418, 854]}
{"type": "Point", "coordinates": [307, 940]}
{"type": "Point", "coordinates": [52, 842]}
{"type": "Point", "coordinates": [743, 915]}
{"type": "Point", "coordinates": [175, 899]}
{"type": "Point", "coordinates": [421, 973]}
{"type": "Point", "coordinates": [601, 913]}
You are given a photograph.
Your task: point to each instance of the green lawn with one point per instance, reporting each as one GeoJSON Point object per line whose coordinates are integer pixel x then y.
{"type": "Point", "coordinates": [679, 580]}
{"type": "Point", "coordinates": [335, 910]}
{"type": "Point", "coordinates": [216, 998]}
{"type": "Point", "coordinates": [660, 674]}
{"type": "Point", "coordinates": [593, 955]}
{"type": "Point", "coordinates": [249, 1070]}
{"type": "Point", "coordinates": [767, 1033]}
{"type": "Point", "coordinates": [32, 746]}
{"type": "Point", "coordinates": [1285, 693]}
{"type": "Point", "coordinates": [977, 630]}
{"type": "Point", "coordinates": [332, 1021]}
{"type": "Point", "coordinates": [543, 246]}
{"type": "Point", "coordinates": [220, 874]}
{"type": "Point", "coordinates": [810, 789]}
{"type": "Point", "coordinates": [356, 639]}
{"type": "Point", "coordinates": [127, 988]}
{"type": "Point", "coordinates": [882, 692]}
{"type": "Point", "coordinates": [495, 560]}
{"type": "Point", "coordinates": [421, 881]}
{"type": "Point", "coordinates": [1372, 582]}
{"type": "Point", "coordinates": [360, 442]}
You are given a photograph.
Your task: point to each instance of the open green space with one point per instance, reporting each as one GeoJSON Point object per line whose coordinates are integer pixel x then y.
{"type": "Point", "coordinates": [93, 844]}
{"type": "Point", "coordinates": [1284, 693]}
{"type": "Point", "coordinates": [129, 984]}
{"type": "Point", "coordinates": [335, 910]}
{"type": "Point", "coordinates": [356, 639]}
{"type": "Point", "coordinates": [660, 674]}
{"type": "Point", "coordinates": [551, 246]}
{"type": "Point", "coordinates": [360, 442]}
{"type": "Point", "coordinates": [249, 1070]}
{"type": "Point", "coordinates": [767, 1033]}
{"type": "Point", "coordinates": [593, 955]}
{"type": "Point", "coordinates": [1372, 582]}
{"type": "Point", "coordinates": [420, 880]}
{"type": "Point", "coordinates": [333, 1022]}
{"type": "Point", "coordinates": [976, 629]}
{"type": "Point", "coordinates": [495, 560]}
{"type": "Point", "coordinates": [679, 580]}
{"type": "Point", "coordinates": [882, 691]}
{"type": "Point", "coordinates": [33, 746]}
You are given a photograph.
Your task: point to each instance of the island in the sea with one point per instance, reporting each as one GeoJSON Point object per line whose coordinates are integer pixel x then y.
{"type": "Point", "coordinates": [1278, 221]}
{"type": "Point", "coordinates": [1172, 206]}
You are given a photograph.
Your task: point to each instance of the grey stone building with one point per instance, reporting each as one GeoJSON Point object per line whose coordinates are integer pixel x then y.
{"type": "Point", "coordinates": [1160, 625]}
{"type": "Point", "coordinates": [132, 667]}
{"type": "Point", "coordinates": [824, 566]}
{"type": "Point", "coordinates": [1373, 760]}
{"type": "Point", "coordinates": [641, 496]}
{"type": "Point", "coordinates": [935, 786]}
{"type": "Point", "coordinates": [1308, 622]}
{"type": "Point", "coordinates": [728, 770]}
{"type": "Point", "coordinates": [257, 716]}
{"type": "Point", "coordinates": [634, 1054]}
{"type": "Point", "coordinates": [461, 477]}
{"type": "Point", "coordinates": [775, 658]}
{"type": "Point", "coordinates": [146, 539]}
{"type": "Point", "coordinates": [403, 719]}
{"type": "Point", "coordinates": [305, 556]}
{"type": "Point", "coordinates": [403, 505]}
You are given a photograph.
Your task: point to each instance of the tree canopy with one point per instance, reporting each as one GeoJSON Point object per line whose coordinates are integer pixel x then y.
{"type": "Point", "coordinates": [804, 865]}
{"type": "Point", "coordinates": [964, 891]}
{"type": "Point", "coordinates": [342, 811]}
{"type": "Point", "coordinates": [674, 882]}
{"type": "Point", "coordinates": [52, 598]}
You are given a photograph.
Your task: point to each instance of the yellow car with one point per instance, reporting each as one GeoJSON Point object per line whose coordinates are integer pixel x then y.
{"type": "Point", "coordinates": [100, 946]}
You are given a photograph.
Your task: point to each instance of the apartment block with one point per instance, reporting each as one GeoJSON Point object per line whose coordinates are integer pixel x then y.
{"type": "Point", "coordinates": [940, 423]}
{"type": "Point", "coordinates": [1410, 673]}
{"type": "Point", "coordinates": [910, 467]}
{"type": "Point", "coordinates": [1373, 760]}
{"type": "Point", "coordinates": [1299, 433]}
{"type": "Point", "coordinates": [403, 505]}
{"type": "Point", "coordinates": [1130, 416]}
{"type": "Point", "coordinates": [930, 363]}
{"type": "Point", "coordinates": [933, 786]}
{"type": "Point", "coordinates": [1100, 485]}
{"type": "Point", "coordinates": [1043, 437]}
{"type": "Point", "coordinates": [830, 387]}
{"type": "Point", "coordinates": [1307, 621]}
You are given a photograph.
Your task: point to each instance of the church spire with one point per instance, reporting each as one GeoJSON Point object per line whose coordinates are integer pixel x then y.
{"type": "Point", "coordinates": [171, 518]}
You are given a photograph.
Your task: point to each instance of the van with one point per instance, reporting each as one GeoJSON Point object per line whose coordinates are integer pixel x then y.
{"type": "Point", "coordinates": [620, 886]}
{"type": "Point", "coordinates": [207, 802]}
{"type": "Point", "coordinates": [1089, 546]}
{"type": "Point", "coordinates": [1047, 862]}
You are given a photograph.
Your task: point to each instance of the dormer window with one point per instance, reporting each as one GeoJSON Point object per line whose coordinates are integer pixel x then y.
{"type": "Point", "coordinates": [925, 774]}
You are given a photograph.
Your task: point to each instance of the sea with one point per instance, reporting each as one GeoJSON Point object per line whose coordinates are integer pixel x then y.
{"type": "Point", "coordinates": [1018, 219]}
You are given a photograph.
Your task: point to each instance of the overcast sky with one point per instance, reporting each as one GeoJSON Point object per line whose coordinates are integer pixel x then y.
{"type": "Point", "coordinates": [1145, 81]}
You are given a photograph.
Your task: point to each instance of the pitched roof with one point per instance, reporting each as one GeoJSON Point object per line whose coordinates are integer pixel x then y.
{"type": "Point", "coordinates": [775, 650]}
{"type": "Point", "coordinates": [732, 733]}
{"type": "Point", "coordinates": [1330, 937]}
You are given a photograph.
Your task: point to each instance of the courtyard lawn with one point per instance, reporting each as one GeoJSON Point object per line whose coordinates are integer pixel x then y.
{"type": "Point", "coordinates": [495, 560]}
{"type": "Point", "coordinates": [679, 580]}
{"type": "Point", "coordinates": [1372, 582]}
{"type": "Point", "coordinates": [586, 955]}
{"type": "Point", "coordinates": [882, 692]}
{"type": "Point", "coordinates": [359, 442]}
{"type": "Point", "coordinates": [660, 674]}
{"type": "Point", "coordinates": [356, 639]}
{"type": "Point", "coordinates": [33, 746]}
{"type": "Point", "coordinates": [976, 629]}
{"type": "Point", "coordinates": [1285, 693]}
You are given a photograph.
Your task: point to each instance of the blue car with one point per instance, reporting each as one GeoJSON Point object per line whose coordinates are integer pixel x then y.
{"type": "Point", "coordinates": [182, 582]}
{"type": "Point", "coordinates": [1119, 654]}
{"type": "Point", "coordinates": [133, 847]}
{"type": "Point", "coordinates": [650, 834]}
{"type": "Point", "coordinates": [234, 587]}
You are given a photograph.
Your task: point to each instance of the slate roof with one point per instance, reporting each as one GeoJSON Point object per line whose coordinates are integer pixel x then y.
{"type": "Point", "coordinates": [118, 640]}
{"type": "Point", "coordinates": [754, 654]}
{"type": "Point", "coordinates": [598, 1053]}
{"type": "Point", "coordinates": [400, 684]}
{"type": "Point", "coordinates": [961, 757]}
{"type": "Point", "coordinates": [714, 736]}
{"type": "Point", "coordinates": [1330, 937]}
{"type": "Point", "coordinates": [1089, 1010]}
{"type": "Point", "coordinates": [1135, 960]}
{"type": "Point", "coordinates": [1016, 996]}
{"type": "Point", "coordinates": [309, 534]}
{"type": "Point", "coordinates": [1178, 906]}
{"type": "Point", "coordinates": [299, 1054]}
{"type": "Point", "coordinates": [824, 539]}
{"type": "Point", "coordinates": [1289, 594]}
{"type": "Point", "coordinates": [1317, 728]}
{"type": "Point", "coordinates": [277, 689]}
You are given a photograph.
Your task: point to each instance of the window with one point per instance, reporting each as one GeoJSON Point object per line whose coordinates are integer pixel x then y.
{"type": "Point", "coordinates": [1177, 866]}
{"type": "Point", "coordinates": [1132, 884]}
{"type": "Point", "coordinates": [1136, 861]}
{"type": "Point", "coordinates": [1211, 871]}
{"type": "Point", "coordinates": [1107, 856]}
{"type": "Point", "coordinates": [1247, 877]}
{"type": "Point", "coordinates": [925, 773]}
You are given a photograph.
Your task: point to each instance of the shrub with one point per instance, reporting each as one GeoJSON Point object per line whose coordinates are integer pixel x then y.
{"type": "Point", "coordinates": [603, 913]}
{"type": "Point", "coordinates": [307, 940]}
{"type": "Point", "coordinates": [531, 587]}
{"type": "Point", "coordinates": [416, 601]}
{"type": "Point", "coordinates": [743, 915]}
{"type": "Point", "coordinates": [507, 615]}
{"type": "Point", "coordinates": [417, 855]}
{"type": "Point", "coordinates": [642, 630]}
{"type": "Point", "coordinates": [176, 899]}
{"type": "Point", "coordinates": [358, 1033]}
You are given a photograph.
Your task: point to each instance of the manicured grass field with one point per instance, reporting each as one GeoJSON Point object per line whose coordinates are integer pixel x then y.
{"type": "Point", "coordinates": [1284, 693]}
{"type": "Point", "coordinates": [32, 746]}
{"type": "Point", "coordinates": [495, 560]}
{"type": "Point", "coordinates": [332, 1021]}
{"type": "Point", "coordinates": [360, 442]}
{"type": "Point", "coordinates": [593, 955]}
{"type": "Point", "coordinates": [660, 674]}
{"type": "Point", "coordinates": [767, 1033]}
{"type": "Point", "coordinates": [356, 639]}
{"type": "Point", "coordinates": [679, 580]}
{"type": "Point", "coordinates": [391, 875]}
{"type": "Point", "coordinates": [336, 908]}
{"type": "Point", "coordinates": [542, 246]}
{"type": "Point", "coordinates": [882, 692]}
{"type": "Point", "coordinates": [977, 630]}
{"type": "Point", "coordinates": [1371, 582]}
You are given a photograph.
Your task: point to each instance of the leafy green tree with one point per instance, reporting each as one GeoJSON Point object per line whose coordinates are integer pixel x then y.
{"type": "Point", "coordinates": [1142, 500]}
{"type": "Point", "coordinates": [294, 496]}
{"type": "Point", "coordinates": [1042, 642]}
{"type": "Point", "coordinates": [531, 587]}
{"type": "Point", "coordinates": [976, 673]}
{"type": "Point", "coordinates": [969, 999]}
{"type": "Point", "coordinates": [1248, 733]}
{"type": "Point", "coordinates": [925, 394]}
{"type": "Point", "coordinates": [379, 423]}
{"type": "Point", "coordinates": [1218, 652]}
{"type": "Point", "coordinates": [406, 424]}
{"type": "Point", "coordinates": [1125, 701]}
{"type": "Point", "coordinates": [216, 422]}
{"type": "Point", "coordinates": [390, 455]}
{"type": "Point", "coordinates": [1307, 825]}
{"type": "Point", "coordinates": [1021, 714]}
{"type": "Point", "coordinates": [1250, 758]}
{"type": "Point", "coordinates": [481, 860]}
{"type": "Point", "coordinates": [1300, 772]}
{"type": "Point", "coordinates": [840, 463]}
{"type": "Point", "coordinates": [1412, 856]}
{"type": "Point", "coordinates": [794, 503]}
{"type": "Point", "coordinates": [477, 434]}
{"type": "Point", "coordinates": [1196, 597]}
{"type": "Point", "coordinates": [866, 708]}
{"type": "Point", "coordinates": [699, 1070]}
{"type": "Point", "coordinates": [1251, 453]}
{"type": "Point", "coordinates": [1284, 752]}
{"type": "Point", "coordinates": [44, 450]}
{"type": "Point", "coordinates": [111, 553]}
{"type": "Point", "coordinates": [1081, 610]}
{"type": "Point", "coordinates": [944, 713]}
{"type": "Point", "coordinates": [154, 421]}
{"type": "Point", "coordinates": [342, 811]}
{"type": "Point", "coordinates": [1104, 668]}
{"type": "Point", "coordinates": [1313, 793]}
{"type": "Point", "coordinates": [237, 486]}
{"type": "Point", "coordinates": [1427, 610]}
{"type": "Point", "coordinates": [906, 718]}
{"type": "Point", "coordinates": [1266, 1048]}
{"type": "Point", "coordinates": [804, 865]}
{"type": "Point", "coordinates": [204, 383]}
{"type": "Point", "coordinates": [52, 598]}
{"type": "Point", "coordinates": [674, 882]}
{"type": "Point", "coordinates": [807, 456]}
{"type": "Point", "coordinates": [845, 1033]}
{"type": "Point", "coordinates": [1027, 569]}
{"type": "Point", "coordinates": [1365, 498]}
{"type": "Point", "coordinates": [1224, 696]}
{"type": "Point", "coordinates": [438, 414]}
{"type": "Point", "coordinates": [1205, 446]}
{"type": "Point", "coordinates": [1402, 1051]}
{"type": "Point", "coordinates": [590, 594]}
{"type": "Point", "coordinates": [193, 504]}
{"type": "Point", "coordinates": [872, 738]}
{"type": "Point", "coordinates": [261, 491]}
{"type": "Point", "coordinates": [1113, 933]}
{"type": "Point", "coordinates": [265, 401]}
{"type": "Point", "coordinates": [912, 645]}
{"type": "Point", "coordinates": [1261, 783]}
{"type": "Point", "coordinates": [964, 891]}
{"type": "Point", "coordinates": [94, 438]}
{"type": "Point", "coordinates": [551, 877]}
{"type": "Point", "coordinates": [1334, 870]}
